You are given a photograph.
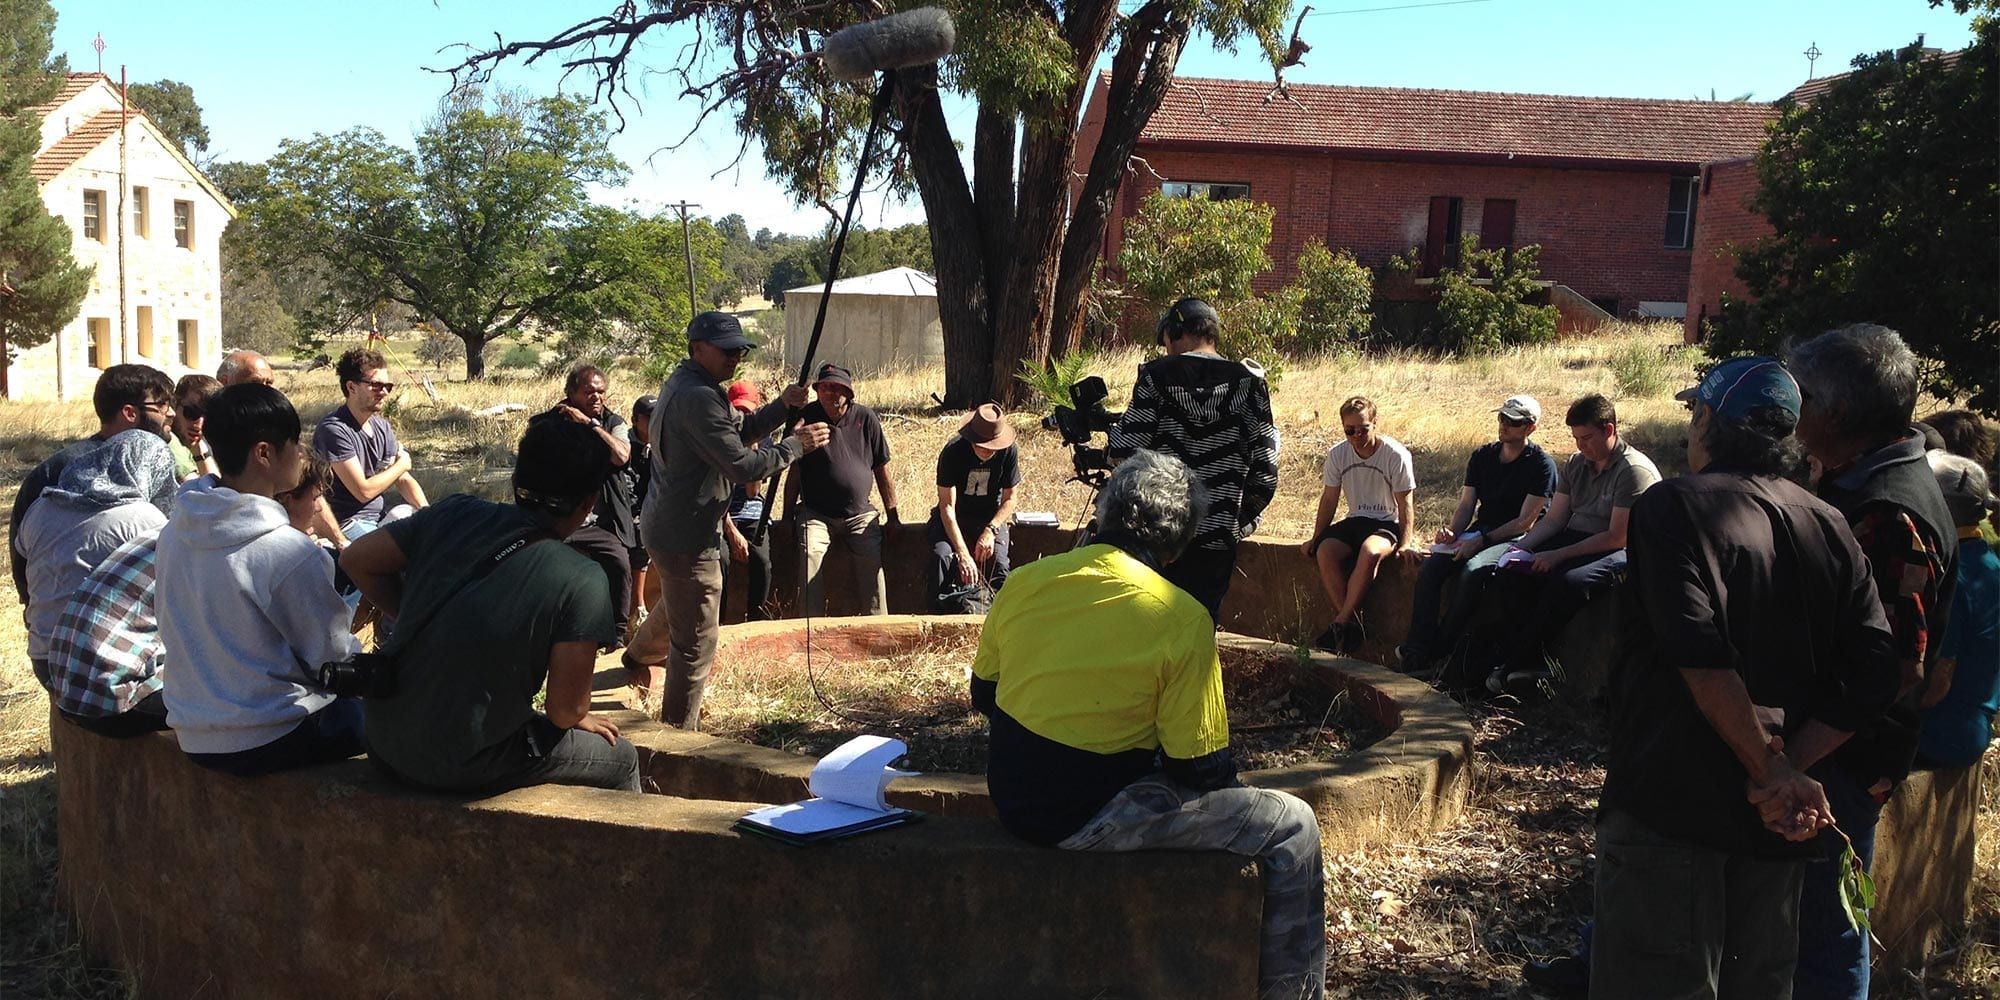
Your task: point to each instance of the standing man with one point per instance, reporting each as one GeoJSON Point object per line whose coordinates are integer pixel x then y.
{"type": "Point", "coordinates": [976, 475]}
{"type": "Point", "coordinates": [367, 460]}
{"type": "Point", "coordinates": [826, 496]}
{"type": "Point", "coordinates": [244, 366]}
{"type": "Point", "coordinates": [698, 451]}
{"type": "Point", "coordinates": [1374, 472]}
{"type": "Point", "coordinates": [1214, 415]}
{"type": "Point", "coordinates": [1860, 385]}
{"type": "Point", "coordinates": [1748, 594]}
{"type": "Point", "coordinates": [1507, 483]}
{"type": "Point", "coordinates": [1578, 550]}
{"type": "Point", "coordinates": [126, 396]}
{"type": "Point", "coordinates": [608, 531]}
{"type": "Point", "coordinates": [192, 457]}
{"type": "Point", "coordinates": [637, 475]}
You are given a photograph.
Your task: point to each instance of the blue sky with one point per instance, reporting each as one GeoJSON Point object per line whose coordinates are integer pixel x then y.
{"type": "Point", "coordinates": [265, 71]}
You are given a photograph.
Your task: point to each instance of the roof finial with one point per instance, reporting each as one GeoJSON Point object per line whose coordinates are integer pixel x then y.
{"type": "Point", "coordinates": [98, 44]}
{"type": "Point", "coordinates": [1812, 54]}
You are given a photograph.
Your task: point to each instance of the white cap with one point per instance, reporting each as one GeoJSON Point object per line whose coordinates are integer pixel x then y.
{"type": "Point", "coordinates": [1521, 407]}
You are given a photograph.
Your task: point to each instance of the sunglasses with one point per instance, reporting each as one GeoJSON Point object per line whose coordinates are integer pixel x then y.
{"type": "Point", "coordinates": [1358, 430]}
{"type": "Point", "coordinates": [379, 386]}
{"type": "Point", "coordinates": [1511, 422]}
{"type": "Point", "coordinates": [191, 411]}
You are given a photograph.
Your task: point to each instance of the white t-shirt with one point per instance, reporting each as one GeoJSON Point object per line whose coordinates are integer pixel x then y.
{"type": "Point", "coordinates": [1371, 484]}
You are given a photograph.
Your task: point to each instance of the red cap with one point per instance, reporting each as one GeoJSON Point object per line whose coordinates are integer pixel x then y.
{"type": "Point", "coordinates": [744, 396]}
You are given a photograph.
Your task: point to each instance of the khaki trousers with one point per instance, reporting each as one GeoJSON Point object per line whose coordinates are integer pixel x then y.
{"type": "Point", "coordinates": [680, 631]}
{"type": "Point", "coordinates": [861, 536]}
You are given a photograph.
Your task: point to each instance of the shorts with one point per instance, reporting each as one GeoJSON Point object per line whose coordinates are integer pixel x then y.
{"type": "Point", "coordinates": [638, 558]}
{"type": "Point", "coordinates": [1352, 531]}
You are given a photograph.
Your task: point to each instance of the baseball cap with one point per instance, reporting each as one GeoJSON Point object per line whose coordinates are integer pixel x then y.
{"type": "Point", "coordinates": [720, 329]}
{"type": "Point", "coordinates": [645, 404]}
{"type": "Point", "coordinates": [1522, 407]}
{"type": "Point", "coordinates": [837, 375]}
{"type": "Point", "coordinates": [1183, 315]}
{"type": "Point", "coordinates": [1735, 388]}
{"type": "Point", "coordinates": [744, 396]}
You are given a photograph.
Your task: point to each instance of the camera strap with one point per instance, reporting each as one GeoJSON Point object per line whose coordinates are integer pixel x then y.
{"type": "Point", "coordinates": [408, 629]}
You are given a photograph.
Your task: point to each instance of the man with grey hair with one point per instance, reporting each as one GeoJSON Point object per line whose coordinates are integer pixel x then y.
{"type": "Point", "coordinates": [1859, 388]}
{"type": "Point", "coordinates": [1109, 733]}
{"type": "Point", "coordinates": [244, 366]}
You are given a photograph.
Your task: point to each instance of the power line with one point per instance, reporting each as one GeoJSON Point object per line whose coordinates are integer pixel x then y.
{"type": "Point", "coordinates": [1407, 6]}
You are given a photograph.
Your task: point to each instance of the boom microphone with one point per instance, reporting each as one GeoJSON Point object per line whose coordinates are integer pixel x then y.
{"type": "Point", "coordinates": [911, 38]}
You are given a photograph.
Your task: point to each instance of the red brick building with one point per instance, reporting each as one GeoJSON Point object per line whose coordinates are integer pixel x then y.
{"type": "Point", "coordinates": [1608, 187]}
{"type": "Point", "coordinates": [1723, 222]}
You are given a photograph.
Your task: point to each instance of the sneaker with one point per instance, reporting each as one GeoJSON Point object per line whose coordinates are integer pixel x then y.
{"type": "Point", "coordinates": [1353, 636]}
{"type": "Point", "coordinates": [1411, 661]}
{"type": "Point", "coordinates": [1566, 978]}
{"type": "Point", "coordinates": [1528, 676]}
{"type": "Point", "coordinates": [1329, 640]}
{"type": "Point", "coordinates": [1496, 681]}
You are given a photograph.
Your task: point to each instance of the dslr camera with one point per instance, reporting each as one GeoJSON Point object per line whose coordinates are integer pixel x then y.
{"type": "Point", "coordinates": [366, 675]}
{"type": "Point", "coordinates": [1077, 422]}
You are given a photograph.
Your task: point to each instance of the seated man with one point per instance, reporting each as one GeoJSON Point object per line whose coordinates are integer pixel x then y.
{"type": "Point", "coordinates": [1962, 693]}
{"type": "Point", "coordinates": [489, 603]}
{"type": "Point", "coordinates": [1578, 549]}
{"type": "Point", "coordinates": [1507, 483]}
{"type": "Point", "coordinates": [827, 494]}
{"type": "Point", "coordinates": [104, 499]}
{"type": "Point", "coordinates": [976, 475]}
{"type": "Point", "coordinates": [244, 366]}
{"type": "Point", "coordinates": [106, 663]}
{"type": "Point", "coordinates": [247, 608]}
{"type": "Point", "coordinates": [1109, 733]}
{"type": "Point", "coordinates": [367, 460]}
{"type": "Point", "coordinates": [1375, 474]}
{"type": "Point", "coordinates": [192, 458]}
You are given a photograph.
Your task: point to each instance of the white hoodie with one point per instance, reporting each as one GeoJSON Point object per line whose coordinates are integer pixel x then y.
{"type": "Point", "coordinates": [247, 611]}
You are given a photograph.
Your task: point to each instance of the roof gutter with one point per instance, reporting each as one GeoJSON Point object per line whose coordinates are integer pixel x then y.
{"type": "Point", "coordinates": [1391, 155]}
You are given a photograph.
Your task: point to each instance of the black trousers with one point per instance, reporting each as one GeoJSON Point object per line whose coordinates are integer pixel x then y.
{"type": "Point", "coordinates": [608, 552]}
{"type": "Point", "coordinates": [757, 596]}
{"type": "Point", "coordinates": [944, 563]}
{"type": "Point", "coordinates": [1205, 574]}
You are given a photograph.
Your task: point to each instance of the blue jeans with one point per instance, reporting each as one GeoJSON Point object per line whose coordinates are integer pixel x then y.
{"type": "Point", "coordinates": [1833, 956]}
{"type": "Point", "coordinates": [332, 733]}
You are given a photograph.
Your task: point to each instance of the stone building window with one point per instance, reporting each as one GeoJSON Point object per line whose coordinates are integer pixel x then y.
{"type": "Point", "coordinates": [184, 224]}
{"type": "Point", "coordinates": [142, 221]}
{"type": "Point", "coordinates": [93, 215]}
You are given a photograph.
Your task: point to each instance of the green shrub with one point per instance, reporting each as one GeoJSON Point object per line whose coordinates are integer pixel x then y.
{"type": "Point", "coordinates": [439, 348]}
{"type": "Point", "coordinates": [1333, 291]}
{"type": "Point", "coordinates": [1643, 370]}
{"type": "Point", "coordinates": [1476, 317]}
{"type": "Point", "coordinates": [1051, 382]}
{"type": "Point", "coordinates": [1253, 328]}
{"type": "Point", "coordinates": [1178, 247]}
{"type": "Point", "coordinates": [519, 356]}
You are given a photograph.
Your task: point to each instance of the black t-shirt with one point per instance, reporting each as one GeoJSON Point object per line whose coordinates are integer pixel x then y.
{"type": "Point", "coordinates": [1742, 573]}
{"type": "Point", "coordinates": [978, 483]}
{"type": "Point", "coordinates": [837, 479]}
{"type": "Point", "coordinates": [1502, 486]}
{"type": "Point", "coordinates": [615, 500]}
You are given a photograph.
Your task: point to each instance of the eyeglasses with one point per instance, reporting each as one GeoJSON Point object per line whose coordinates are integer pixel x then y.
{"type": "Point", "coordinates": [1358, 429]}
{"type": "Point", "coordinates": [161, 406]}
{"type": "Point", "coordinates": [378, 386]}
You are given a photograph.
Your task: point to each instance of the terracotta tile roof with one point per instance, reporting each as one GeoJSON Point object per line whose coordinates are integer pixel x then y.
{"type": "Point", "coordinates": [74, 146]}
{"type": "Point", "coordinates": [1458, 124]}
{"type": "Point", "coordinates": [1805, 92]}
{"type": "Point", "coordinates": [76, 84]}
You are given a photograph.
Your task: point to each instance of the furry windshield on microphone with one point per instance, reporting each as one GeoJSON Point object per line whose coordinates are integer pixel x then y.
{"type": "Point", "coordinates": [911, 38]}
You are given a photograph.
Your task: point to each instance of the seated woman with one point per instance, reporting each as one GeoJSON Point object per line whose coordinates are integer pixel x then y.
{"type": "Point", "coordinates": [486, 611]}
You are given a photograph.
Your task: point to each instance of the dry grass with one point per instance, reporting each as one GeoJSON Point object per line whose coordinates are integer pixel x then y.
{"type": "Point", "coordinates": [1448, 917]}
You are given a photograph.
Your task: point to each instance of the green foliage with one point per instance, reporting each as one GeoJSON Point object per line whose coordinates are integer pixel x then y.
{"type": "Point", "coordinates": [45, 285]}
{"type": "Point", "coordinates": [172, 107]}
{"type": "Point", "coordinates": [1644, 370]}
{"type": "Point", "coordinates": [803, 261]}
{"type": "Point", "coordinates": [1050, 382]}
{"type": "Point", "coordinates": [1176, 247]}
{"type": "Point", "coordinates": [485, 228]}
{"type": "Point", "coordinates": [253, 315]}
{"type": "Point", "coordinates": [1253, 328]}
{"type": "Point", "coordinates": [438, 348]}
{"type": "Point", "coordinates": [1475, 314]}
{"type": "Point", "coordinates": [518, 356]}
{"type": "Point", "coordinates": [1333, 291]}
{"type": "Point", "coordinates": [1885, 196]}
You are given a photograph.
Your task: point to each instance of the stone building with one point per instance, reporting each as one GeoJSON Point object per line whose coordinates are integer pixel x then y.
{"type": "Point", "coordinates": [149, 224]}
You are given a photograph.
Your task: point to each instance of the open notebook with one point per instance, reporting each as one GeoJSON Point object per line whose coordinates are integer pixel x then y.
{"type": "Point", "coordinates": [848, 787]}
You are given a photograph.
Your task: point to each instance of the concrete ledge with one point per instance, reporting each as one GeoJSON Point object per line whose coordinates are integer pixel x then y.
{"type": "Point", "coordinates": [335, 882]}
{"type": "Point", "coordinates": [1924, 864]}
{"type": "Point", "coordinates": [1412, 781]}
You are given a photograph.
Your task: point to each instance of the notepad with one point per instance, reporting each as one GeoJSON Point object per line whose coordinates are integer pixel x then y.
{"type": "Point", "coordinates": [1036, 518]}
{"type": "Point", "coordinates": [849, 789]}
{"type": "Point", "coordinates": [1451, 548]}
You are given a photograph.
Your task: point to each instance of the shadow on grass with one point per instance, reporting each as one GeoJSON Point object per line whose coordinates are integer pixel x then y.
{"type": "Point", "coordinates": [41, 955]}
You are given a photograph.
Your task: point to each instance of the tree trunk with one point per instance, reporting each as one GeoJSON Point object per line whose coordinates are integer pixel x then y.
{"type": "Point", "coordinates": [957, 243]}
{"type": "Point", "coordinates": [993, 193]}
{"type": "Point", "coordinates": [475, 353]}
{"type": "Point", "coordinates": [1021, 326]}
{"type": "Point", "coordinates": [1141, 74]}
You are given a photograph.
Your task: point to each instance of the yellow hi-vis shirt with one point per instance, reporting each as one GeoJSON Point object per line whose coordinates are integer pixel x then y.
{"type": "Point", "coordinates": [1094, 650]}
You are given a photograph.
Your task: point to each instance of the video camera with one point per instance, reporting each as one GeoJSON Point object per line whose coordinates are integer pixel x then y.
{"type": "Point", "coordinates": [1076, 423]}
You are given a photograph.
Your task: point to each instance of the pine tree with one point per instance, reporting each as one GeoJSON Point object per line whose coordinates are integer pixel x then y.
{"type": "Point", "coordinates": [41, 285]}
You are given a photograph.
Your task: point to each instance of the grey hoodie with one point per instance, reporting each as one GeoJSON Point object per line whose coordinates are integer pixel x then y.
{"type": "Point", "coordinates": [247, 610]}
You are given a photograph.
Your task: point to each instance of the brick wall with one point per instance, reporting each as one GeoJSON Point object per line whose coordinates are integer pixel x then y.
{"type": "Point", "coordinates": [1723, 221]}
{"type": "Point", "coordinates": [1601, 231]}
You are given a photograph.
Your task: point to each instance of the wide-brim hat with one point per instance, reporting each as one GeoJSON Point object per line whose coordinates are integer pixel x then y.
{"type": "Point", "coordinates": [987, 427]}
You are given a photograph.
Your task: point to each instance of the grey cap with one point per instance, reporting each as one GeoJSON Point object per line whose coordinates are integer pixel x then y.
{"type": "Point", "coordinates": [720, 329]}
{"type": "Point", "coordinates": [1522, 407]}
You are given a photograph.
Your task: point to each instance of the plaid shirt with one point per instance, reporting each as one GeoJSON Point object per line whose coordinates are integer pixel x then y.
{"type": "Point", "coordinates": [105, 654]}
{"type": "Point", "coordinates": [1906, 575]}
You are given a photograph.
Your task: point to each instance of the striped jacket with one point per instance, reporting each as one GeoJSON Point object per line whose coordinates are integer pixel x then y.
{"type": "Point", "coordinates": [1215, 415]}
{"type": "Point", "coordinates": [105, 654]}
